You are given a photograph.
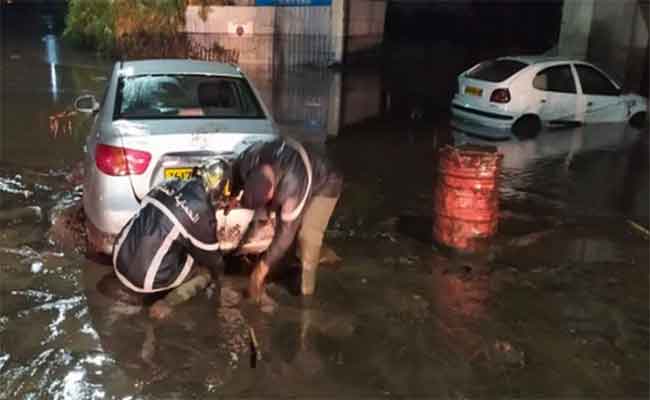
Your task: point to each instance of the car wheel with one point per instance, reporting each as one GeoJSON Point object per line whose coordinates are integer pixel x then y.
{"type": "Point", "coordinates": [97, 242]}
{"type": "Point", "coordinates": [639, 120]}
{"type": "Point", "coordinates": [527, 127]}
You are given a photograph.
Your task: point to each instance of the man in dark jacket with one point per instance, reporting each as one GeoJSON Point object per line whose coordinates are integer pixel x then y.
{"type": "Point", "coordinates": [301, 187]}
{"type": "Point", "coordinates": [174, 231]}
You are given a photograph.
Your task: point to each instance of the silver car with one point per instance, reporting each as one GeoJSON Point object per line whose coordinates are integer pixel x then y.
{"type": "Point", "coordinates": [158, 119]}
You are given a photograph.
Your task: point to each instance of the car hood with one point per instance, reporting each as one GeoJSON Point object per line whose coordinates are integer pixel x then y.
{"type": "Point", "coordinates": [635, 102]}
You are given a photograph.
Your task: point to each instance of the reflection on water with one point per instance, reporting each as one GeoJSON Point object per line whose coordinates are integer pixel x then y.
{"type": "Point", "coordinates": [599, 169]}
{"type": "Point", "coordinates": [316, 103]}
{"type": "Point", "coordinates": [51, 46]}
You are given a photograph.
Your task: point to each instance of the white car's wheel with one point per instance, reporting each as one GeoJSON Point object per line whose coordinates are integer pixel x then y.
{"type": "Point", "coordinates": [527, 126]}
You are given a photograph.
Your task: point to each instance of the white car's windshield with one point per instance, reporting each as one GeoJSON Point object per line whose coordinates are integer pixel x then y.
{"type": "Point", "coordinates": [185, 96]}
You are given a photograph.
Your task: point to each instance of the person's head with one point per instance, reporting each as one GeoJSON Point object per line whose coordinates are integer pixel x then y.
{"type": "Point", "coordinates": [216, 178]}
{"type": "Point", "coordinates": [259, 187]}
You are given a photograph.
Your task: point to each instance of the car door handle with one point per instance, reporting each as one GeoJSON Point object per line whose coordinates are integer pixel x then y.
{"type": "Point", "coordinates": [590, 104]}
{"type": "Point", "coordinates": [543, 100]}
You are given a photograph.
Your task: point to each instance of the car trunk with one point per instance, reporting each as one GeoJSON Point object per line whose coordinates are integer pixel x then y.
{"type": "Point", "coordinates": [176, 146]}
{"type": "Point", "coordinates": [475, 93]}
{"type": "Point", "coordinates": [476, 85]}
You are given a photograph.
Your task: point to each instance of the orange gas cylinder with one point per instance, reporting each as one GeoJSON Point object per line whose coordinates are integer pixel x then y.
{"type": "Point", "coordinates": [466, 201]}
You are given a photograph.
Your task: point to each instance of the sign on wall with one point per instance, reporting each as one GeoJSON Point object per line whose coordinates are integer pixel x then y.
{"type": "Point", "coordinates": [240, 29]}
{"type": "Point", "coordinates": [293, 3]}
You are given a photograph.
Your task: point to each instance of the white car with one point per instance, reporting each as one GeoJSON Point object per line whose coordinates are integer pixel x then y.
{"type": "Point", "coordinates": [158, 120]}
{"type": "Point", "coordinates": [521, 94]}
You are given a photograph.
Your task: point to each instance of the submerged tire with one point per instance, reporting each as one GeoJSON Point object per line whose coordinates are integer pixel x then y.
{"type": "Point", "coordinates": [639, 120]}
{"type": "Point", "coordinates": [97, 242]}
{"type": "Point", "coordinates": [527, 127]}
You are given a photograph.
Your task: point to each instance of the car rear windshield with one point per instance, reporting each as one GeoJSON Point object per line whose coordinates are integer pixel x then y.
{"type": "Point", "coordinates": [185, 96]}
{"type": "Point", "coordinates": [496, 70]}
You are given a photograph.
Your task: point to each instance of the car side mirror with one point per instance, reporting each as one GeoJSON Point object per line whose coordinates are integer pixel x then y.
{"type": "Point", "coordinates": [86, 104]}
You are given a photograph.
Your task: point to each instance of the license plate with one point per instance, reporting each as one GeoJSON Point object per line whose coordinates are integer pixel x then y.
{"type": "Point", "coordinates": [178, 173]}
{"type": "Point", "coordinates": [473, 91]}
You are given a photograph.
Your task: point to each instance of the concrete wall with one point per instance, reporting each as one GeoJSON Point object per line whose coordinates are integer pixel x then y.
{"type": "Point", "coordinates": [575, 28]}
{"type": "Point", "coordinates": [611, 34]}
{"type": "Point", "coordinates": [302, 36]}
{"type": "Point", "coordinates": [302, 20]}
{"type": "Point", "coordinates": [360, 97]}
{"type": "Point", "coordinates": [365, 24]}
{"type": "Point", "coordinates": [255, 39]}
{"type": "Point", "coordinates": [319, 35]}
{"type": "Point", "coordinates": [619, 38]}
{"type": "Point", "coordinates": [266, 35]}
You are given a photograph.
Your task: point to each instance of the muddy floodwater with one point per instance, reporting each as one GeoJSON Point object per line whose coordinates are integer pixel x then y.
{"type": "Point", "coordinates": [557, 306]}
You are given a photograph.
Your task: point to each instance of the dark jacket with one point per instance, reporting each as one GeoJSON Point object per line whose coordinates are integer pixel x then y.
{"type": "Point", "coordinates": [175, 227]}
{"type": "Point", "coordinates": [292, 182]}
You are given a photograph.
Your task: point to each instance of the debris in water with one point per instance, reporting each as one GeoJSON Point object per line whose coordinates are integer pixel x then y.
{"type": "Point", "coordinates": [14, 186]}
{"type": "Point", "coordinates": [256, 354]}
{"type": "Point", "coordinates": [37, 266]}
{"type": "Point", "coordinates": [503, 353]}
{"type": "Point", "coordinates": [68, 229]}
{"type": "Point", "coordinates": [75, 177]}
{"type": "Point", "coordinates": [21, 213]}
{"type": "Point", "coordinates": [23, 251]}
{"type": "Point", "coordinates": [386, 235]}
{"type": "Point", "coordinates": [639, 228]}
{"type": "Point", "coordinates": [61, 123]}
{"type": "Point", "coordinates": [268, 305]}
{"type": "Point", "coordinates": [529, 239]}
{"type": "Point", "coordinates": [329, 256]}
{"type": "Point", "coordinates": [229, 297]}
{"type": "Point", "coordinates": [506, 353]}
{"type": "Point", "coordinates": [409, 260]}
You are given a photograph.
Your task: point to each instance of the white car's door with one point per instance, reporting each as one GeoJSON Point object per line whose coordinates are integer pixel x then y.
{"type": "Point", "coordinates": [601, 96]}
{"type": "Point", "coordinates": [556, 91]}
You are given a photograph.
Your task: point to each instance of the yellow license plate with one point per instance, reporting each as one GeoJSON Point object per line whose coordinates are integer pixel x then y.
{"type": "Point", "coordinates": [473, 91]}
{"type": "Point", "coordinates": [178, 173]}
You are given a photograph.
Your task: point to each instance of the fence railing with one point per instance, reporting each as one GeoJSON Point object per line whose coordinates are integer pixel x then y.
{"type": "Point", "coordinates": [288, 50]}
{"type": "Point", "coordinates": [145, 45]}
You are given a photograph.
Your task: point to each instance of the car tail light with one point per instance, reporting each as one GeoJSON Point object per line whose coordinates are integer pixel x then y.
{"type": "Point", "coordinates": [500, 96]}
{"type": "Point", "coordinates": [120, 161]}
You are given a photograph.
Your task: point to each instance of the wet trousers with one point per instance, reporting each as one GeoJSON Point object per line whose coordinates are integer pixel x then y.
{"type": "Point", "coordinates": [310, 238]}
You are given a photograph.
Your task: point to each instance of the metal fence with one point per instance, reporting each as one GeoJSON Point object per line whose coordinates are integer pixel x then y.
{"type": "Point", "coordinates": [294, 51]}
{"type": "Point", "coordinates": [145, 45]}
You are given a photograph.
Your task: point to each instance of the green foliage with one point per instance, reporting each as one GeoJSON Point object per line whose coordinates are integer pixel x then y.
{"type": "Point", "coordinates": [151, 16]}
{"type": "Point", "coordinates": [99, 24]}
{"type": "Point", "coordinates": [90, 23]}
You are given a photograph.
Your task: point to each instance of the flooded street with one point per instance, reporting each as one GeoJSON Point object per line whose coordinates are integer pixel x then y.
{"type": "Point", "coordinates": [556, 307]}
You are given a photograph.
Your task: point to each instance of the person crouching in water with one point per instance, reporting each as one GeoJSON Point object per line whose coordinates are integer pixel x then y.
{"type": "Point", "coordinates": [173, 237]}
{"type": "Point", "coordinates": [302, 187]}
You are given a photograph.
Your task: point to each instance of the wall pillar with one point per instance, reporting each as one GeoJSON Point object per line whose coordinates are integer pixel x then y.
{"type": "Point", "coordinates": [335, 106]}
{"type": "Point", "coordinates": [610, 34]}
{"type": "Point", "coordinates": [575, 28]}
{"type": "Point", "coordinates": [338, 27]}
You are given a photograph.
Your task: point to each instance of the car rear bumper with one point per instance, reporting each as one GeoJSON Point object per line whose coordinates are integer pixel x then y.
{"type": "Point", "coordinates": [108, 204]}
{"type": "Point", "coordinates": [99, 241]}
{"type": "Point", "coordinates": [481, 123]}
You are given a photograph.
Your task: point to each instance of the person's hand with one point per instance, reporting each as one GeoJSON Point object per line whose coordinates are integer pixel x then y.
{"type": "Point", "coordinates": [231, 203]}
{"type": "Point", "coordinates": [160, 310]}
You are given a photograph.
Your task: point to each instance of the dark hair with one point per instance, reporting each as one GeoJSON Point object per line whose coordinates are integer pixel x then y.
{"type": "Point", "coordinates": [256, 189]}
